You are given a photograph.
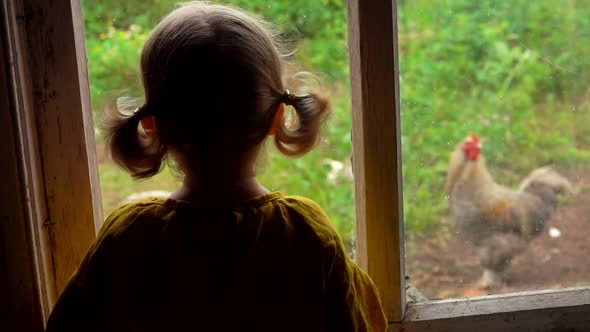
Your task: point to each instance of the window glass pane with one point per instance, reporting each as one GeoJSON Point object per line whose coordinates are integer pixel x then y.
{"type": "Point", "coordinates": [115, 32]}
{"type": "Point", "coordinates": [509, 212]}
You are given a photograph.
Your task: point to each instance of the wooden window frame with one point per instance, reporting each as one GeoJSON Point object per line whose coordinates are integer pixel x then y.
{"type": "Point", "coordinates": [53, 157]}
{"type": "Point", "coordinates": [47, 97]}
{"type": "Point", "coordinates": [374, 73]}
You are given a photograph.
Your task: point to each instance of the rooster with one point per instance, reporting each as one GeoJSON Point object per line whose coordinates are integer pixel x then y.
{"type": "Point", "coordinates": [498, 220]}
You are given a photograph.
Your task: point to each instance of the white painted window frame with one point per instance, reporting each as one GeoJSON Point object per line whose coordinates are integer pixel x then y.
{"type": "Point", "coordinates": [374, 73]}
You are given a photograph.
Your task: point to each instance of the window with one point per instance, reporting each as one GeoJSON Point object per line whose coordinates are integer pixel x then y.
{"type": "Point", "coordinates": [514, 75]}
{"type": "Point", "coordinates": [48, 85]}
{"type": "Point", "coordinates": [115, 33]}
{"type": "Point", "coordinates": [378, 140]}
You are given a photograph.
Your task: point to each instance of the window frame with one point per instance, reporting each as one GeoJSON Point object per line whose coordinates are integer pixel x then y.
{"type": "Point", "coordinates": [374, 75]}
{"type": "Point", "coordinates": [49, 90]}
{"type": "Point", "coordinates": [44, 54]}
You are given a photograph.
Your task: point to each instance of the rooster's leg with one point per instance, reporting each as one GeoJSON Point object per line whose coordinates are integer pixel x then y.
{"type": "Point", "coordinates": [490, 279]}
{"type": "Point", "coordinates": [495, 254]}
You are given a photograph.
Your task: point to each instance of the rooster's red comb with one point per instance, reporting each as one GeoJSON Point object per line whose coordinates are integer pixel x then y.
{"type": "Point", "coordinates": [474, 138]}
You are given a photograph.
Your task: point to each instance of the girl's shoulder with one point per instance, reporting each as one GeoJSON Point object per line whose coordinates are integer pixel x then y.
{"type": "Point", "coordinates": [303, 214]}
{"type": "Point", "coordinates": [301, 204]}
{"type": "Point", "coordinates": [307, 208]}
{"type": "Point", "coordinates": [147, 213]}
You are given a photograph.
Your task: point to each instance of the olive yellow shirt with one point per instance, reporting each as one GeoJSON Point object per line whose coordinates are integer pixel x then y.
{"type": "Point", "coordinates": [271, 263]}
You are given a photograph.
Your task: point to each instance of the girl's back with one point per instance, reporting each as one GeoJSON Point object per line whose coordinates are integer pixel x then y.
{"type": "Point", "coordinates": [272, 263]}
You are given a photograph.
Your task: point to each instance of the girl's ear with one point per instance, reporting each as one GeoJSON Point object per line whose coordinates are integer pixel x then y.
{"type": "Point", "coordinates": [278, 121]}
{"type": "Point", "coordinates": [148, 124]}
{"type": "Point", "coordinates": [148, 132]}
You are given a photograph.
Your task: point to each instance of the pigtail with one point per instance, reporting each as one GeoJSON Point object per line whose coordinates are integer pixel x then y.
{"type": "Point", "coordinates": [139, 156]}
{"type": "Point", "coordinates": [302, 132]}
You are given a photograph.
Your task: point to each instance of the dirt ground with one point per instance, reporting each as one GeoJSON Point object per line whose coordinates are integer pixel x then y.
{"type": "Point", "coordinates": [449, 268]}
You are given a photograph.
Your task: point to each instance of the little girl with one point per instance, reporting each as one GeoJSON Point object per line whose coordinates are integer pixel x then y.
{"type": "Point", "coordinates": [222, 253]}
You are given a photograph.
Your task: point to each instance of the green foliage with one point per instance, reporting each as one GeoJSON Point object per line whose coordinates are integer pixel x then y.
{"type": "Point", "coordinates": [115, 53]}
{"type": "Point", "coordinates": [116, 30]}
{"type": "Point", "coordinates": [514, 72]}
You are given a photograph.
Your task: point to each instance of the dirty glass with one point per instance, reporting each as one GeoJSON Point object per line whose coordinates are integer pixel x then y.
{"type": "Point", "coordinates": [115, 32]}
{"type": "Point", "coordinates": [496, 145]}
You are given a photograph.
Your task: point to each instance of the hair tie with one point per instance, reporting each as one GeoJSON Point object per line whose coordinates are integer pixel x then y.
{"type": "Point", "coordinates": [288, 98]}
{"type": "Point", "coordinates": [140, 111]}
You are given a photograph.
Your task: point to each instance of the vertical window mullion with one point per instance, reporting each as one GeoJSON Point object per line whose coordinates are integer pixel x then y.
{"type": "Point", "coordinates": [376, 148]}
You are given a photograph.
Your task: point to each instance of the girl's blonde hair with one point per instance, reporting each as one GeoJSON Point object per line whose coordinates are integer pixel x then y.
{"type": "Point", "coordinates": [213, 80]}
